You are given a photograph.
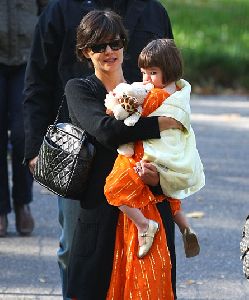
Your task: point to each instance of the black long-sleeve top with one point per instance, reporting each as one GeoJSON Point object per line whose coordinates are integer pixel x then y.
{"type": "Point", "coordinates": [85, 100]}
{"type": "Point", "coordinates": [53, 61]}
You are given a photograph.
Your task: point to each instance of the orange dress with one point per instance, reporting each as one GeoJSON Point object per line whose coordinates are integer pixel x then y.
{"type": "Point", "coordinates": [133, 278]}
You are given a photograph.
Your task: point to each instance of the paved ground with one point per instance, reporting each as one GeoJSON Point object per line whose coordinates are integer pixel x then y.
{"type": "Point", "coordinates": [28, 268]}
{"type": "Point", "coordinates": [222, 130]}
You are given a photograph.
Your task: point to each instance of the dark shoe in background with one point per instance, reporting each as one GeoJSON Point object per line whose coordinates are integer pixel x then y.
{"type": "Point", "coordinates": [24, 220]}
{"type": "Point", "coordinates": [3, 225]}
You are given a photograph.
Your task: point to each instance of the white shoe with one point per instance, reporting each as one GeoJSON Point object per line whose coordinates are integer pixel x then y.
{"type": "Point", "coordinates": [148, 238]}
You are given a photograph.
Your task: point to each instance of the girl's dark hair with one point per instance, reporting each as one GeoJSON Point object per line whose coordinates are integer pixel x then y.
{"type": "Point", "coordinates": [163, 53]}
{"type": "Point", "coordinates": [99, 26]}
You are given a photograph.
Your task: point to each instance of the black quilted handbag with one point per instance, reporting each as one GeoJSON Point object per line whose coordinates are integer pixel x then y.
{"type": "Point", "coordinates": [244, 248]}
{"type": "Point", "coordinates": [64, 160]}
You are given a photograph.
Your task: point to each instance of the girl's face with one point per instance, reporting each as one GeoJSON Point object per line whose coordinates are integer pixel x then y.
{"type": "Point", "coordinates": [106, 57]}
{"type": "Point", "coordinates": [153, 75]}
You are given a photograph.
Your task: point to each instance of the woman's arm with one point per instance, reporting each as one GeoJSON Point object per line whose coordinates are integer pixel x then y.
{"type": "Point", "coordinates": [87, 111]}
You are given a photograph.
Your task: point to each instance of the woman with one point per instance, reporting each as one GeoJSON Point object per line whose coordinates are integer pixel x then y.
{"type": "Point", "coordinates": [95, 267]}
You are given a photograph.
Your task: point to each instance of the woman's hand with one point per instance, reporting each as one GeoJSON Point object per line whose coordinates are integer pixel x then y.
{"type": "Point", "coordinates": [148, 173]}
{"type": "Point", "coordinates": [169, 123]}
{"type": "Point", "coordinates": [32, 163]}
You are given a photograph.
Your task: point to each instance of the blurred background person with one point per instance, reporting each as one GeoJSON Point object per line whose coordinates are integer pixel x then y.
{"type": "Point", "coordinates": [17, 22]}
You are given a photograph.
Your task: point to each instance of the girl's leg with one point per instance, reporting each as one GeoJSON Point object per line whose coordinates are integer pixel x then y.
{"type": "Point", "coordinates": [190, 240]}
{"type": "Point", "coordinates": [146, 228]}
{"type": "Point", "coordinates": [181, 220]}
{"type": "Point", "coordinates": [137, 217]}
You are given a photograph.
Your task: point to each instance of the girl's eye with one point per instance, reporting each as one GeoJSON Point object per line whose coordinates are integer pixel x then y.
{"type": "Point", "coordinates": [153, 73]}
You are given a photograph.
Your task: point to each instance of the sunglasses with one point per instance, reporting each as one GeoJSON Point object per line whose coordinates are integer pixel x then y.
{"type": "Point", "coordinates": [114, 45]}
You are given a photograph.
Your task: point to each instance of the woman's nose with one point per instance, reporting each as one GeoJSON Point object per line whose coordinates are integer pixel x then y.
{"type": "Point", "coordinates": [108, 49]}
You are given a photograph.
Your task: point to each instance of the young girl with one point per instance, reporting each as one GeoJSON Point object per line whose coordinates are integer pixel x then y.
{"type": "Point", "coordinates": [174, 155]}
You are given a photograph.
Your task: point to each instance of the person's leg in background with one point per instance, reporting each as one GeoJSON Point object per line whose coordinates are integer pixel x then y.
{"type": "Point", "coordinates": [69, 211]}
{"type": "Point", "coordinates": [5, 206]}
{"type": "Point", "coordinates": [21, 177]}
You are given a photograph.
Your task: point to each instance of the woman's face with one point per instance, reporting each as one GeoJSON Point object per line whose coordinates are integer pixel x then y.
{"type": "Point", "coordinates": [106, 56]}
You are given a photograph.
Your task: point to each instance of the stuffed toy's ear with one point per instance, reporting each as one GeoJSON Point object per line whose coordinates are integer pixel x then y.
{"type": "Point", "coordinates": [111, 101]}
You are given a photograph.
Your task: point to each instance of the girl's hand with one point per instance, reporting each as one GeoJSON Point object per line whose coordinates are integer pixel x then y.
{"type": "Point", "coordinates": [148, 173]}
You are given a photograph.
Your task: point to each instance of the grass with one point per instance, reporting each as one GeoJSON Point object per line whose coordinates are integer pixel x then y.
{"type": "Point", "coordinates": [213, 36]}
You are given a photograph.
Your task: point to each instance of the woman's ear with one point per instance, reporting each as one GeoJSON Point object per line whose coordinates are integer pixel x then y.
{"type": "Point", "coordinates": [85, 52]}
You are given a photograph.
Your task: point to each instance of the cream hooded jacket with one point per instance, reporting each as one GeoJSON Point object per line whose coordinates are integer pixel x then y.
{"type": "Point", "coordinates": [175, 155]}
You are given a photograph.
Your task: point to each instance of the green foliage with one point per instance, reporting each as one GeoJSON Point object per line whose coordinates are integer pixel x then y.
{"type": "Point", "coordinates": [213, 36]}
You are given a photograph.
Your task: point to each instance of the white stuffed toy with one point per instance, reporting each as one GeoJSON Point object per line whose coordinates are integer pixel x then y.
{"type": "Point", "coordinates": [125, 103]}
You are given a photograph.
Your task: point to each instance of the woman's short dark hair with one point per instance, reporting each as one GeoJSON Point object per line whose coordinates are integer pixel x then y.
{"type": "Point", "coordinates": [99, 26]}
{"type": "Point", "coordinates": [164, 54]}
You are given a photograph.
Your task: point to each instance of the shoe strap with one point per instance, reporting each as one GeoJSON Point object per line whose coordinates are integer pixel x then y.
{"type": "Point", "coordinates": [145, 234]}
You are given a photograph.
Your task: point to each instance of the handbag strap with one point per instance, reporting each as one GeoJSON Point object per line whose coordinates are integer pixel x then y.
{"type": "Point", "coordinates": [59, 109]}
{"type": "Point", "coordinates": [91, 86]}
